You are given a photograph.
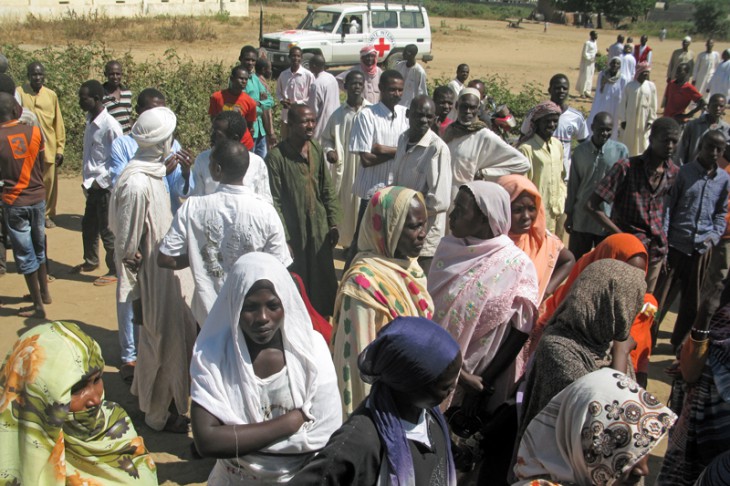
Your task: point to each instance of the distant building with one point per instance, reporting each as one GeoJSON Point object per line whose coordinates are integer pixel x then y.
{"type": "Point", "coordinates": [121, 8]}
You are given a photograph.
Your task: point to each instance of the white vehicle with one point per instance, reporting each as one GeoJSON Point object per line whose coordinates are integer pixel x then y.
{"type": "Point", "coordinates": [339, 31]}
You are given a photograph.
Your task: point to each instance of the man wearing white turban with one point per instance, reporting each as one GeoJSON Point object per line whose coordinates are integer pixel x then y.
{"type": "Point", "coordinates": [139, 216]}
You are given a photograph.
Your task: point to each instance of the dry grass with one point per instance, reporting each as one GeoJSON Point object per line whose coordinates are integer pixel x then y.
{"type": "Point", "coordinates": [98, 27]}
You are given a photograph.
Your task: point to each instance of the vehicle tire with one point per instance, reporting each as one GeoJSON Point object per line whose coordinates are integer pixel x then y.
{"type": "Point", "coordinates": [306, 57]}
{"type": "Point", "coordinates": [392, 60]}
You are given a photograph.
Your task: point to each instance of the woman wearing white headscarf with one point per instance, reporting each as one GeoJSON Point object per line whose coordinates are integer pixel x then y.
{"type": "Point", "coordinates": [265, 396]}
{"type": "Point", "coordinates": [485, 292]}
{"type": "Point", "coordinates": [597, 431]}
{"type": "Point", "coordinates": [139, 216]}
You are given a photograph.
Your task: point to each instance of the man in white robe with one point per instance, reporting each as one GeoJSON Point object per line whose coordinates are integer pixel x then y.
{"type": "Point", "coordinates": [209, 233]}
{"type": "Point", "coordinates": [476, 151]}
{"type": "Point", "coordinates": [720, 82]}
{"type": "Point", "coordinates": [139, 216]}
{"type": "Point", "coordinates": [324, 94]}
{"type": "Point", "coordinates": [609, 93]}
{"type": "Point", "coordinates": [705, 67]}
{"type": "Point", "coordinates": [414, 76]}
{"type": "Point", "coordinates": [628, 63]}
{"type": "Point", "coordinates": [344, 164]}
{"type": "Point", "coordinates": [638, 110]}
{"type": "Point", "coordinates": [587, 66]}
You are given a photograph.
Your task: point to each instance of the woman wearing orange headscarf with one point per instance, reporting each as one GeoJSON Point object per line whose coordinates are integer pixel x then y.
{"type": "Point", "coordinates": [529, 232]}
{"type": "Point", "coordinates": [626, 248]}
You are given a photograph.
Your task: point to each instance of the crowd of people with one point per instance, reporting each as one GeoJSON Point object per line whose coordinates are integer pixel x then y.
{"type": "Point", "coordinates": [500, 300]}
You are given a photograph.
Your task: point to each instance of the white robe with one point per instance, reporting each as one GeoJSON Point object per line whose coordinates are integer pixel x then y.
{"type": "Point", "coordinates": [705, 67]}
{"type": "Point", "coordinates": [587, 67]}
{"type": "Point", "coordinates": [638, 109]}
{"type": "Point", "coordinates": [336, 137]}
{"type": "Point", "coordinates": [484, 155]}
{"type": "Point", "coordinates": [139, 216]}
{"type": "Point", "coordinates": [414, 82]}
{"type": "Point", "coordinates": [324, 99]}
{"type": "Point", "coordinates": [628, 66]}
{"type": "Point", "coordinates": [720, 82]}
{"type": "Point", "coordinates": [608, 100]}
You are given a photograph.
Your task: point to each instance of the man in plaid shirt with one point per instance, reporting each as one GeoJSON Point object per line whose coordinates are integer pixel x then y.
{"type": "Point", "coordinates": [637, 188]}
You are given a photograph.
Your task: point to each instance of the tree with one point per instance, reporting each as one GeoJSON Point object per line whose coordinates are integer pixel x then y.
{"type": "Point", "coordinates": [710, 17]}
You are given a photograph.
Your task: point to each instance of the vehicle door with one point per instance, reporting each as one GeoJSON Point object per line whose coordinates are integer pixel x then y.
{"type": "Point", "coordinates": [413, 30]}
{"type": "Point", "coordinates": [383, 31]}
{"type": "Point", "coordinates": [346, 48]}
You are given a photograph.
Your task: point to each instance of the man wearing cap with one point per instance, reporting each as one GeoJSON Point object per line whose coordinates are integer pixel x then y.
{"type": "Point", "coordinates": [369, 68]}
{"type": "Point", "coordinates": [681, 56]}
{"type": "Point", "coordinates": [139, 216]}
{"type": "Point", "coordinates": [637, 111]}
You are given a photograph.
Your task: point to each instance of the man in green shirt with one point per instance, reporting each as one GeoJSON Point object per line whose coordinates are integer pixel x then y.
{"type": "Point", "coordinates": [308, 206]}
{"type": "Point", "coordinates": [256, 90]}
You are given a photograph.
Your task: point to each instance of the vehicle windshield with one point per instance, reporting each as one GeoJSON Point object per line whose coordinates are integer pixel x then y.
{"type": "Point", "coordinates": [321, 21]}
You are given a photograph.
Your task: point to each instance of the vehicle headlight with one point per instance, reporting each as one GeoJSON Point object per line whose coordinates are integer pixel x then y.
{"type": "Point", "coordinates": [292, 44]}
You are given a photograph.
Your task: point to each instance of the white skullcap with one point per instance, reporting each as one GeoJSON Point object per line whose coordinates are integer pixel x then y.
{"type": "Point", "coordinates": [470, 91]}
{"type": "Point", "coordinates": [687, 39]}
{"type": "Point", "coordinates": [154, 126]}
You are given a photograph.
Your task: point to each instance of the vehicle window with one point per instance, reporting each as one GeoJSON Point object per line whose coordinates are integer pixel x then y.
{"type": "Point", "coordinates": [322, 21]}
{"type": "Point", "coordinates": [411, 20]}
{"type": "Point", "coordinates": [387, 20]}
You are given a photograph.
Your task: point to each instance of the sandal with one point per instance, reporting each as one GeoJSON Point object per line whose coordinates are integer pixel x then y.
{"type": "Point", "coordinates": [105, 280]}
{"type": "Point", "coordinates": [31, 312]}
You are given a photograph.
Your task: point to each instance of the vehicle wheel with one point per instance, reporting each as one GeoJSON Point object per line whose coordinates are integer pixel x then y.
{"type": "Point", "coordinates": [393, 59]}
{"type": "Point", "coordinates": [306, 57]}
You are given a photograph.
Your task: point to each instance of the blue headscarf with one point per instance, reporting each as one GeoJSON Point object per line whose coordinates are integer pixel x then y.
{"type": "Point", "coordinates": [407, 354]}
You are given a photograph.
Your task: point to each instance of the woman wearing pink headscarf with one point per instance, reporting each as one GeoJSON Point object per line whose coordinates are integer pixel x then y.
{"type": "Point", "coordinates": [369, 67]}
{"type": "Point", "coordinates": [637, 111]}
{"type": "Point", "coordinates": [485, 293]}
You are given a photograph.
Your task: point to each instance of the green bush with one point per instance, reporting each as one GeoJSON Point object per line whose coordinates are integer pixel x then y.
{"type": "Point", "coordinates": [187, 86]}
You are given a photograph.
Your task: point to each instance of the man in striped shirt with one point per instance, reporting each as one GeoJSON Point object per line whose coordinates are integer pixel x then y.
{"type": "Point", "coordinates": [117, 98]}
{"type": "Point", "coordinates": [375, 137]}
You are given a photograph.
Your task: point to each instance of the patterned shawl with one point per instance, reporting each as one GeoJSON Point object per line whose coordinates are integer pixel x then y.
{"type": "Point", "coordinates": [376, 277]}
{"type": "Point", "coordinates": [599, 309]}
{"type": "Point", "coordinates": [41, 441]}
{"type": "Point", "coordinates": [594, 431]}
{"type": "Point", "coordinates": [542, 247]}
{"type": "Point", "coordinates": [479, 285]}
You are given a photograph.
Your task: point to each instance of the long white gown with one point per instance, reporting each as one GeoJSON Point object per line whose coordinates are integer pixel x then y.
{"type": "Point", "coordinates": [608, 99]}
{"type": "Point", "coordinates": [639, 110]}
{"type": "Point", "coordinates": [587, 67]}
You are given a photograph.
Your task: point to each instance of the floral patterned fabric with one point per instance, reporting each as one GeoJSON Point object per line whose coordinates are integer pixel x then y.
{"type": "Point", "coordinates": [41, 441]}
{"type": "Point", "coordinates": [376, 289]}
{"type": "Point", "coordinates": [592, 432]}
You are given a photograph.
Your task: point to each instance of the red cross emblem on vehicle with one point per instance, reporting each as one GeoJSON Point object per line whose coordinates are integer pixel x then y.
{"type": "Point", "coordinates": [382, 47]}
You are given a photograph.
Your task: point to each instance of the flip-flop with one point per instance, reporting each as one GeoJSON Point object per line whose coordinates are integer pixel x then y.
{"type": "Point", "coordinates": [51, 278]}
{"type": "Point", "coordinates": [31, 312]}
{"type": "Point", "coordinates": [105, 280]}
